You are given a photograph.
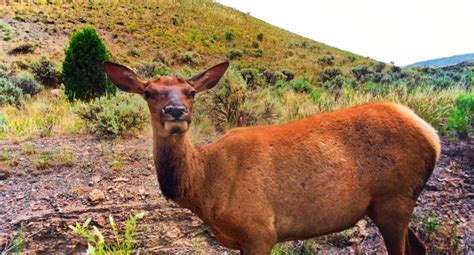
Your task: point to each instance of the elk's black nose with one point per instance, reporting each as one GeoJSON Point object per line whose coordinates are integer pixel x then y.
{"type": "Point", "coordinates": [175, 111]}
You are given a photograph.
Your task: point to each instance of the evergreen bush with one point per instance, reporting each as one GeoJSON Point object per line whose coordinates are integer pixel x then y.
{"type": "Point", "coordinates": [82, 72]}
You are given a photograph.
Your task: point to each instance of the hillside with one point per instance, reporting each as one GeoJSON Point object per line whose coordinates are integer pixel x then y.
{"type": "Point", "coordinates": [440, 62]}
{"type": "Point", "coordinates": [192, 33]}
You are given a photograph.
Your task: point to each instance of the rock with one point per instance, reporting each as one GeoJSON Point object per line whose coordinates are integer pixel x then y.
{"type": "Point", "coordinates": [96, 195]}
{"type": "Point", "coordinates": [56, 92]}
{"type": "Point", "coordinates": [3, 239]}
{"type": "Point", "coordinates": [121, 179]}
{"type": "Point", "coordinates": [96, 178]}
{"type": "Point", "coordinates": [34, 180]}
{"type": "Point", "coordinates": [3, 176]}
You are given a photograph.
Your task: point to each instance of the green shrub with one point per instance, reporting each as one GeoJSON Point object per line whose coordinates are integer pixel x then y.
{"type": "Point", "coordinates": [260, 36]}
{"type": "Point", "coordinates": [461, 119]}
{"type": "Point", "coordinates": [229, 36]}
{"type": "Point", "coordinates": [252, 77]}
{"type": "Point", "coordinates": [46, 73]}
{"type": "Point", "coordinates": [301, 85]}
{"type": "Point", "coordinates": [361, 73]}
{"type": "Point", "coordinates": [326, 60]}
{"type": "Point", "coordinates": [114, 116]}
{"type": "Point", "coordinates": [235, 53]}
{"type": "Point", "coordinates": [152, 69]}
{"type": "Point", "coordinates": [329, 74]}
{"type": "Point", "coordinates": [27, 83]}
{"type": "Point", "coordinates": [9, 93]}
{"type": "Point", "coordinates": [134, 52]}
{"type": "Point", "coordinates": [273, 77]}
{"type": "Point", "coordinates": [379, 66]}
{"type": "Point", "coordinates": [23, 48]}
{"type": "Point", "coordinates": [190, 58]}
{"type": "Point", "coordinates": [82, 73]}
{"type": "Point", "coordinates": [258, 53]}
{"type": "Point", "coordinates": [335, 84]}
{"type": "Point", "coordinates": [232, 104]}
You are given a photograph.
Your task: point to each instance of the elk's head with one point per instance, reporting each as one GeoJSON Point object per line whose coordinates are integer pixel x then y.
{"type": "Point", "coordinates": [169, 98]}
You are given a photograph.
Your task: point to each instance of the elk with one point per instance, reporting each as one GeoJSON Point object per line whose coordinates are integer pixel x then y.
{"type": "Point", "coordinates": [257, 186]}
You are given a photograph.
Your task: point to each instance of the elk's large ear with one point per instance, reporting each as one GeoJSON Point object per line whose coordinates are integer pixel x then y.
{"type": "Point", "coordinates": [124, 78]}
{"type": "Point", "coordinates": [209, 78]}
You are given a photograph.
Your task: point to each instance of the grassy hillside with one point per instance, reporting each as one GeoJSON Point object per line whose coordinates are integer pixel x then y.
{"type": "Point", "coordinates": [439, 62]}
{"type": "Point", "coordinates": [193, 33]}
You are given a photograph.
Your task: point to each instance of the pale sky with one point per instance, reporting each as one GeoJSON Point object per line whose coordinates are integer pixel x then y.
{"type": "Point", "coordinates": [403, 31]}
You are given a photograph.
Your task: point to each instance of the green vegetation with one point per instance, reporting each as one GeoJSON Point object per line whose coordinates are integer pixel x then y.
{"type": "Point", "coordinates": [45, 72]}
{"type": "Point", "coordinates": [9, 93]}
{"type": "Point", "coordinates": [461, 119]}
{"type": "Point", "coordinates": [114, 116]}
{"type": "Point", "coordinates": [19, 240]}
{"type": "Point", "coordinates": [27, 83]}
{"type": "Point", "coordinates": [43, 115]}
{"type": "Point", "coordinates": [440, 235]}
{"type": "Point", "coordinates": [121, 243]}
{"type": "Point", "coordinates": [82, 68]}
{"type": "Point", "coordinates": [23, 48]}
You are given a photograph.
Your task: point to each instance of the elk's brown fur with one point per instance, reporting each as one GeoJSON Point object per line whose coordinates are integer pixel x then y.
{"type": "Point", "coordinates": [257, 186]}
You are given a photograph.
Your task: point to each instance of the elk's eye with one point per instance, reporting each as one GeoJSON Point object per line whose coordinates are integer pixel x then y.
{"type": "Point", "coordinates": [192, 94]}
{"type": "Point", "coordinates": [147, 95]}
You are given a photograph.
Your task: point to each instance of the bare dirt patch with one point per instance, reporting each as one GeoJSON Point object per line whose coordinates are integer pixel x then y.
{"type": "Point", "coordinates": [121, 174]}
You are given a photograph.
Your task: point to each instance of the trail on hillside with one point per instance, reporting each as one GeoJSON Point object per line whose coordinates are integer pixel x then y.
{"type": "Point", "coordinates": [95, 186]}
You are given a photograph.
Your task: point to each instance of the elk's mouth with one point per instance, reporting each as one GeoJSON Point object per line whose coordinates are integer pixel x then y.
{"type": "Point", "coordinates": [176, 126]}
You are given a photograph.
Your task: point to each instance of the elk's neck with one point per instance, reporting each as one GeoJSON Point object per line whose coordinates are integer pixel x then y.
{"type": "Point", "coordinates": [179, 169]}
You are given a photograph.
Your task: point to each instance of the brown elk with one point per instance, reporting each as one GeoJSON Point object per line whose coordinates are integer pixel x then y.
{"type": "Point", "coordinates": [257, 186]}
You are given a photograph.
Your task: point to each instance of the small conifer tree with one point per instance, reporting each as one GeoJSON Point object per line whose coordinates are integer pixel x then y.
{"type": "Point", "coordinates": [82, 72]}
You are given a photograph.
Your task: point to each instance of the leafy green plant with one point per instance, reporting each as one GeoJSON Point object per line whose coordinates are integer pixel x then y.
{"type": "Point", "coordinates": [123, 243]}
{"type": "Point", "coordinates": [440, 235]}
{"type": "Point", "coordinates": [461, 119]}
{"type": "Point", "coordinates": [19, 241]}
{"type": "Point", "coordinates": [27, 83]}
{"type": "Point", "coordinates": [82, 71]}
{"type": "Point", "coordinates": [114, 116]}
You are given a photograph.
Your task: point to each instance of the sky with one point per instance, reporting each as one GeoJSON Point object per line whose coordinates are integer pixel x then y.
{"type": "Point", "coordinates": [402, 31]}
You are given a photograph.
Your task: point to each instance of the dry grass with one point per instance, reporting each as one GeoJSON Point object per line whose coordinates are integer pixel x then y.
{"type": "Point", "coordinates": [44, 115]}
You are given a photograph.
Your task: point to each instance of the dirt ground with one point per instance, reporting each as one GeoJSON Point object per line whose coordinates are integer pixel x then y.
{"type": "Point", "coordinates": [121, 172]}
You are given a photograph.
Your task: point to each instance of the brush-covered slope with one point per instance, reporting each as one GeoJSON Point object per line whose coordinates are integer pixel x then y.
{"type": "Point", "coordinates": [193, 33]}
{"type": "Point", "coordinates": [440, 62]}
